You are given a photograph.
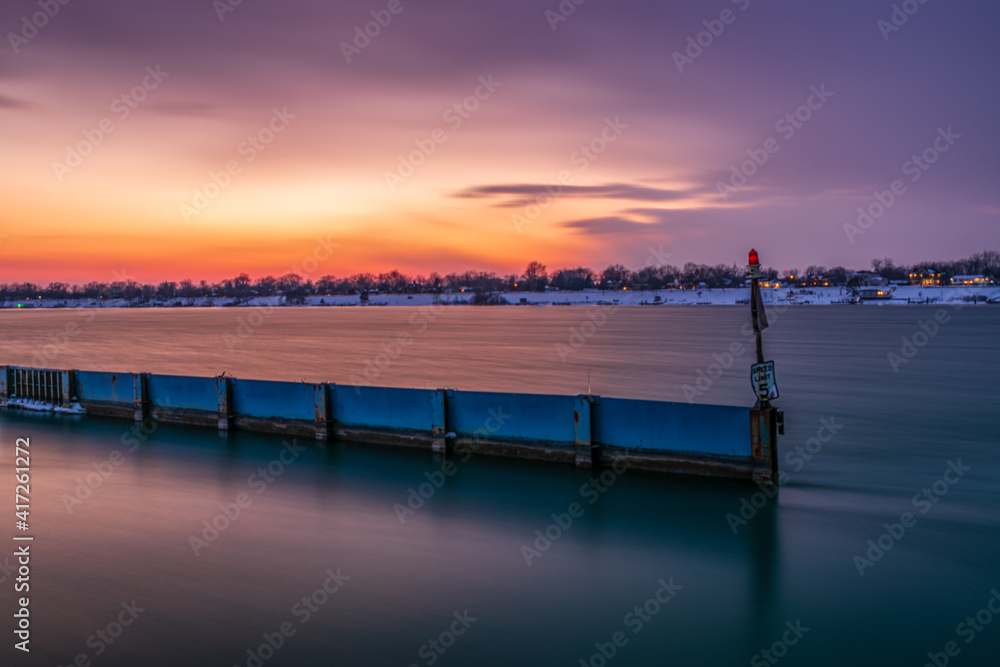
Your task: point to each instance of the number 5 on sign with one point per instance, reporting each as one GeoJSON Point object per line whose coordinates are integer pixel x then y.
{"type": "Point", "coordinates": [762, 379]}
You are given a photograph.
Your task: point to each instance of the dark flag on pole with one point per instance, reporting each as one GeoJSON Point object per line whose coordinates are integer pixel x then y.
{"type": "Point", "coordinates": [759, 306]}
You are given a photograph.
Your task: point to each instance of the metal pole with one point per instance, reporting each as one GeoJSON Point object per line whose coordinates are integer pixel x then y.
{"type": "Point", "coordinates": [763, 417]}
{"type": "Point", "coordinates": [754, 298]}
{"type": "Point", "coordinates": [754, 267]}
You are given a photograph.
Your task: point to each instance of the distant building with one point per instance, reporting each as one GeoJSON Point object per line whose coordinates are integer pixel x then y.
{"type": "Point", "coordinates": [875, 293]}
{"type": "Point", "coordinates": [815, 281]}
{"type": "Point", "coordinates": [868, 279]}
{"type": "Point", "coordinates": [926, 278]}
{"type": "Point", "coordinates": [972, 280]}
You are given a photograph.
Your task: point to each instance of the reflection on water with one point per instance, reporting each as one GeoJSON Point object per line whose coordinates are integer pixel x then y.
{"type": "Point", "coordinates": [134, 536]}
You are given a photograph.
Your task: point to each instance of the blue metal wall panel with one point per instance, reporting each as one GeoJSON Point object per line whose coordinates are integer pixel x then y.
{"type": "Point", "coordinates": [263, 398]}
{"type": "Point", "coordinates": [540, 417]}
{"type": "Point", "coordinates": [720, 430]}
{"type": "Point", "coordinates": [179, 391]}
{"type": "Point", "coordinates": [382, 407]}
{"type": "Point", "coordinates": [646, 425]}
{"type": "Point", "coordinates": [105, 387]}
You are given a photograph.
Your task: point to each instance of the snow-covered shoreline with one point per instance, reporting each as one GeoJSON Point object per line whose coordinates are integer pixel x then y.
{"type": "Point", "coordinates": [904, 295]}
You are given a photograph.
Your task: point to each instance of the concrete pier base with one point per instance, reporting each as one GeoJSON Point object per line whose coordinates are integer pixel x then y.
{"type": "Point", "coordinates": [764, 444]}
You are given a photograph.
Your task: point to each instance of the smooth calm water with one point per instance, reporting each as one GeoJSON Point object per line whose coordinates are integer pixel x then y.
{"type": "Point", "coordinates": [332, 507]}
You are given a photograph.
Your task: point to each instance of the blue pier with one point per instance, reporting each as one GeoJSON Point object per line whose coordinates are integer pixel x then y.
{"type": "Point", "coordinates": [585, 430]}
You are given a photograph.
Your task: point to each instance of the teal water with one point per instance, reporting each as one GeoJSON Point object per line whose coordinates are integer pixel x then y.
{"type": "Point", "coordinates": [465, 553]}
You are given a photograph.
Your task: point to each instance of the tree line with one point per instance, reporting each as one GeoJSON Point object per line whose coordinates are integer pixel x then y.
{"type": "Point", "coordinates": [536, 277]}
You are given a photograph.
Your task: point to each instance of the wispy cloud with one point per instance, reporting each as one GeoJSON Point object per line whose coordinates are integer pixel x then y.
{"type": "Point", "coordinates": [12, 103]}
{"type": "Point", "coordinates": [525, 191]}
{"type": "Point", "coordinates": [607, 225]}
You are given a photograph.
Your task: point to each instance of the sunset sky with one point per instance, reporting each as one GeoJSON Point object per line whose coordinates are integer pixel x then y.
{"type": "Point", "coordinates": [96, 185]}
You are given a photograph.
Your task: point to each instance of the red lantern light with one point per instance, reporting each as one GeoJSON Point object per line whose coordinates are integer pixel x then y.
{"type": "Point", "coordinates": [753, 257]}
